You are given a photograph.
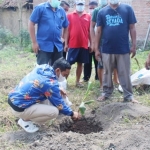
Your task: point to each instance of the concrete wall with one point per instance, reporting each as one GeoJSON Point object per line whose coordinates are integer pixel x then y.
{"type": "Point", "coordinates": [36, 2]}
{"type": "Point", "coordinates": [10, 19]}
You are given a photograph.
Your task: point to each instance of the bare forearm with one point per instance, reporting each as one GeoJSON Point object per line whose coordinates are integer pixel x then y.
{"type": "Point", "coordinates": [97, 38]}
{"type": "Point", "coordinates": [92, 32]}
{"type": "Point", "coordinates": [32, 31]}
{"type": "Point", "coordinates": [66, 35]}
{"type": "Point", "coordinates": [133, 35]}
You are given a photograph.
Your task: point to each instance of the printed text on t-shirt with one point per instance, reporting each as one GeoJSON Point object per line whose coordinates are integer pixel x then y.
{"type": "Point", "coordinates": [114, 20]}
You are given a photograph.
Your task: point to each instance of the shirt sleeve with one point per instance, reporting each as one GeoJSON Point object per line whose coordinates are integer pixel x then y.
{"type": "Point", "coordinates": [94, 15]}
{"type": "Point", "coordinates": [36, 14]}
{"type": "Point", "coordinates": [66, 22]}
{"type": "Point", "coordinates": [52, 93]}
{"type": "Point", "coordinates": [132, 18]}
{"type": "Point", "coordinates": [99, 20]}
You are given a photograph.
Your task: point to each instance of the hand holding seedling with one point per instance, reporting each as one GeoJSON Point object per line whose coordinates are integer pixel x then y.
{"type": "Point", "coordinates": [76, 116]}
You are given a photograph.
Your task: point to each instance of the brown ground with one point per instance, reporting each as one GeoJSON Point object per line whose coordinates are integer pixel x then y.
{"type": "Point", "coordinates": [114, 126]}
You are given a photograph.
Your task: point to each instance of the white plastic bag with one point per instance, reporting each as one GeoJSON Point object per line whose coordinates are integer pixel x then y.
{"type": "Point", "coordinates": [142, 77]}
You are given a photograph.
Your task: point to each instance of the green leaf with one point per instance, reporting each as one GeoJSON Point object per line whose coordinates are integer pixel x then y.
{"type": "Point", "coordinates": [82, 108]}
{"type": "Point", "coordinates": [89, 85]}
{"type": "Point", "coordinates": [87, 91]}
{"type": "Point", "coordinates": [89, 102]}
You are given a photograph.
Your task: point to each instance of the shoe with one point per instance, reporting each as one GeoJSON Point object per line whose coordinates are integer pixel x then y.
{"type": "Point", "coordinates": [120, 89]}
{"type": "Point", "coordinates": [28, 126]}
{"type": "Point", "coordinates": [85, 80]}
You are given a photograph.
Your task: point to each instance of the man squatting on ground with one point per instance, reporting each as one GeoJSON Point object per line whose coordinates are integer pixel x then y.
{"type": "Point", "coordinates": [38, 98]}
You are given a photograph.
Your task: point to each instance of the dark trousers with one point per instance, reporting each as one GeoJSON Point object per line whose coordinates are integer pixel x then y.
{"type": "Point", "coordinates": [88, 67]}
{"type": "Point", "coordinates": [64, 54]}
{"type": "Point", "coordinates": [48, 57]}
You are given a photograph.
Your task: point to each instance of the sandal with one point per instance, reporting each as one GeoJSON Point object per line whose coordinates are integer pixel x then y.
{"type": "Point", "coordinates": [28, 126]}
{"type": "Point", "coordinates": [132, 100]}
{"type": "Point", "coordinates": [102, 98]}
{"type": "Point", "coordinates": [79, 85]}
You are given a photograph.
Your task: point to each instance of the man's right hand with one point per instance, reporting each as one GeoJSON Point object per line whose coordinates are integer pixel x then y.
{"type": "Point", "coordinates": [35, 47]}
{"type": "Point", "coordinates": [147, 63]}
{"type": "Point", "coordinates": [97, 55]}
{"type": "Point", "coordinates": [91, 48]}
{"type": "Point", "coordinates": [76, 116]}
{"type": "Point", "coordinates": [66, 48]}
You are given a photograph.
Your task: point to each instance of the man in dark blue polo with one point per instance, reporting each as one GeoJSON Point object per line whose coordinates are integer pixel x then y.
{"type": "Point", "coordinates": [50, 19]}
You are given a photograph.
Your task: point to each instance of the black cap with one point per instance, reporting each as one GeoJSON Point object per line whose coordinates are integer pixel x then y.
{"type": "Point", "coordinates": [93, 3]}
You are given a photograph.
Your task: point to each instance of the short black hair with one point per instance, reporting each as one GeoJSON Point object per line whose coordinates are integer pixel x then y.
{"type": "Point", "coordinates": [93, 3]}
{"type": "Point", "coordinates": [62, 64]}
{"type": "Point", "coordinates": [64, 3]}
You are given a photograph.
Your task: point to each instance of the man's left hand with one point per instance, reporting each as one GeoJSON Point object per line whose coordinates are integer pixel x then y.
{"type": "Point", "coordinates": [133, 51]}
{"type": "Point", "coordinates": [66, 47]}
{"type": "Point", "coordinates": [90, 50]}
{"type": "Point", "coordinates": [63, 92]}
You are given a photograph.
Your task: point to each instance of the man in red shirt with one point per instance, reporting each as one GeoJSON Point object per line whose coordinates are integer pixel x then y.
{"type": "Point", "coordinates": [78, 38]}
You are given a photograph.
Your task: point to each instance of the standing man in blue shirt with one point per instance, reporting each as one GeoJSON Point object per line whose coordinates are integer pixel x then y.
{"type": "Point", "coordinates": [114, 23]}
{"type": "Point", "coordinates": [50, 19]}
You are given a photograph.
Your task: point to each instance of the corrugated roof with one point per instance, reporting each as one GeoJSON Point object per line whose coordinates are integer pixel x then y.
{"type": "Point", "coordinates": [13, 3]}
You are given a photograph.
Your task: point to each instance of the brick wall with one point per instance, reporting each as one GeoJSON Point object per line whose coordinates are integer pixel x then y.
{"type": "Point", "coordinates": [142, 11]}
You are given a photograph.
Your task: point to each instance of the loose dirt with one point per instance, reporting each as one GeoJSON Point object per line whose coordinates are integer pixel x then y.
{"type": "Point", "coordinates": [113, 126]}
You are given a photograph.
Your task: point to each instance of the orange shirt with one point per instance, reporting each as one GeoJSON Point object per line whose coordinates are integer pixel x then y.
{"type": "Point", "coordinates": [79, 28]}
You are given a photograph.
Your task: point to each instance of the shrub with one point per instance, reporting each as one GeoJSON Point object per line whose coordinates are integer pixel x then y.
{"type": "Point", "coordinates": [24, 38]}
{"type": "Point", "coordinates": [6, 36]}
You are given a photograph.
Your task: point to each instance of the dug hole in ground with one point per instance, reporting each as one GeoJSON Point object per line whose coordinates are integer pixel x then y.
{"type": "Point", "coordinates": [113, 126]}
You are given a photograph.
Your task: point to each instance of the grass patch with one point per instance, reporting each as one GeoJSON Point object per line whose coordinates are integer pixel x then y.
{"type": "Point", "coordinates": [16, 64]}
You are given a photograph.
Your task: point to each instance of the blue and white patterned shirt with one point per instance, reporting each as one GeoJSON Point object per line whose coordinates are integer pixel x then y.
{"type": "Point", "coordinates": [37, 86]}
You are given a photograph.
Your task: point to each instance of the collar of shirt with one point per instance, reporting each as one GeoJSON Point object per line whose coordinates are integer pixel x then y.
{"type": "Point", "coordinates": [75, 12]}
{"type": "Point", "coordinates": [48, 5]}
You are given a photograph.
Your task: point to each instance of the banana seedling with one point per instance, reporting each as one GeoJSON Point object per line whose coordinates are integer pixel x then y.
{"type": "Point", "coordinates": [82, 106]}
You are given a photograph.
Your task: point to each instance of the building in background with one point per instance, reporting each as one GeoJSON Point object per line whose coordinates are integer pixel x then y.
{"type": "Point", "coordinates": [10, 16]}
{"type": "Point", "coordinates": [14, 14]}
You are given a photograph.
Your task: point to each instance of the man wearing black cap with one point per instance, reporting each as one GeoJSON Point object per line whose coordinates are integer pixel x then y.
{"type": "Point", "coordinates": [88, 66]}
{"type": "Point", "coordinates": [65, 5]}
